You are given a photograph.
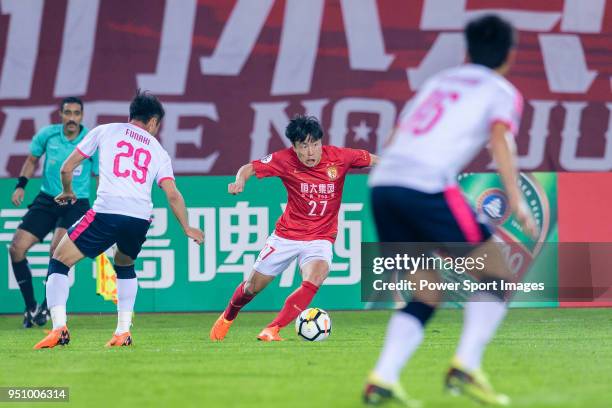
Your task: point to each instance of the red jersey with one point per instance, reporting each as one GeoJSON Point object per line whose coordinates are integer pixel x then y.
{"type": "Point", "coordinates": [314, 194]}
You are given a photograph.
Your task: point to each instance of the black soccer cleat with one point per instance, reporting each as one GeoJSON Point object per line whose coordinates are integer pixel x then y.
{"type": "Point", "coordinates": [41, 316]}
{"type": "Point", "coordinates": [377, 393]}
{"type": "Point", "coordinates": [28, 317]}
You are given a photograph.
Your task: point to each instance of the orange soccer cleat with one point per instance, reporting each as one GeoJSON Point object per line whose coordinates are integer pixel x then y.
{"type": "Point", "coordinates": [220, 328]}
{"type": "Point", "coordinates": [120, 340]}
{"type": "Point", "coordinates": [270, 334]}
{"type": "Point", "coordinates": [55, 337]}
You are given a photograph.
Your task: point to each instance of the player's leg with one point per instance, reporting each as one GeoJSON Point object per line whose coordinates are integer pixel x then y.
{"type": "Point", "coordinates": [273, 259]}
{"type": "Point", "coordinates": [90, 236]}
{"type": "Point", "coordinates": [483, 314]}
{"type": "Point", "coordinates": [314, 259]}
{"type": "Point", "coordinates": [58, 286]}
{"type": "Point", "coordinates": [131, 234]}
{"type": "Point", "coordinates": [36, 224]}
{"type": "Point", "coordinates": [393, 210]}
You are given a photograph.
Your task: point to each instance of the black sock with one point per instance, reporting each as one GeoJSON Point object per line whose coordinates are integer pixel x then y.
{"type": "Point", "coordinates": [23, 276]}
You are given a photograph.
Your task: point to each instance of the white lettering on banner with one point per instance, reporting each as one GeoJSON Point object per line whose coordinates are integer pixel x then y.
{"type": "Point", "coordinates": [339, 130]}
{"type": "Point", "coordinates": [564, 59]}
{"type": "Point", "coordinates": [77, 48]}
{"type": "Point", "coordinates": [366, 44]}
{"type": "Point", "coordinates": [37, 256]}
{"type": "Point", "coordinates": [172, 135]}
{"type": "Point", "coordinates": [22, 47]}
{"type": "Point", "coordinates": [238, 38]}
{"type": "Point", "coordinates": [347, 249]}
{"type": "Point", "coordinates": [209, 248]}
{"type": "Point", "coordinates": [96, 109]}
{"type": "Point", "coordinates": [272, 114]}
{"type": "Point", "coordinates": [298, 47]}
{"type": "Point", "coordinates": [170, 75]}
{"type": "Point", "coordinates": [13, 116]}
{"type": "Point", "coordinates": [569, 141]}
{"type": "Point", "coordinates": [157, 255]}
{"type": "Point", "coordinates": [243, 229]}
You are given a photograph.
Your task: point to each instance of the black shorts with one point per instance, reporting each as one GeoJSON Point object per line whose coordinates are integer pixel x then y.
{"type": "Point", "coordinates": [95, 232]}
{"type": "Point", "coordinates": [406, 215]}
{"type": "Point", "coordinates": [44, 215]}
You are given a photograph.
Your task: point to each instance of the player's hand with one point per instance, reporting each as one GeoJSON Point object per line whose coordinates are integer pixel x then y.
{"type": "Point", "coordinates": [17, 197]}
{"type": "Point", "coordinates": [236, 187]}
{"type": "Point", "coordinates": [526, 220]}
{"type": "Point", "coordinates": [195, 234]}
{"type": "Point", "coordinates": [64, 198]}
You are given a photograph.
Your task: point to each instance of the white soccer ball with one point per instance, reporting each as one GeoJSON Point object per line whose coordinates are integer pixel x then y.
{"type": "Point", "coordinates": [313, 324]}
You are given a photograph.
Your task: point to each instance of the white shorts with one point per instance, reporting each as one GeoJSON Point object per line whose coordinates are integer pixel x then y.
{"type": "Point", "coordinates": [279, 252]}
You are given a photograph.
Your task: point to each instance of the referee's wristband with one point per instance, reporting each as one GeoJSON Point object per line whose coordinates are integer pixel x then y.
{"type": "Point", "coordinates": [21, 182]}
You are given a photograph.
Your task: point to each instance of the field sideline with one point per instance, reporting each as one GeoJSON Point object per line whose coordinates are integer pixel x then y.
{"type": "Point", "coordinates": [541, 358]}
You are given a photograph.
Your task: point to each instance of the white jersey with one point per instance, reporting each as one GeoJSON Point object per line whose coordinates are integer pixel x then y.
{"type": "Point", "coordinates": [130, 160]}
{"type": "Point", "coordinates": [446, 126]}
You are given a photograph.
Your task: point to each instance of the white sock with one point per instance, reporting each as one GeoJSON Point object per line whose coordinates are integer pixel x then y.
{"type": "Point", "coordinates": [57, 290]}
{"type": "Point", "coordinates": [58, 316]}
{"type": "Point", "coordinates": [404, 334]}
{"type": "Point", "coordinates": [126, 297]}
{"type": "Point", "coordinates": [480, 322]}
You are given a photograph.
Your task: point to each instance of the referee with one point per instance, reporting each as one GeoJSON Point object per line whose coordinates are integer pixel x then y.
{"type": "Point", "coordinates": [44, 215]}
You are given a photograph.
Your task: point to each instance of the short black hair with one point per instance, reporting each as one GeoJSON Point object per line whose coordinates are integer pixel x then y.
{"type": "Point", "coordinates": [489, 40]}
{"type": "Point", "coordinates": [70, 99]}
{"type": "Point", "coordinates": [302, 126]}
{"type": "Point", "coordinates": [145, 106]}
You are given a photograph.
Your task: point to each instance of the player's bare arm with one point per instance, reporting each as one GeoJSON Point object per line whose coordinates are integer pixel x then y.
{"type": "Point", "coordinates": [71, 163]}
{"type": "Point", "coordinates": [177, 203]}
{"type": "Point", "coordinates": [27, 170]}
{"type": "Point", "coordinates": [503, 150]}
{"type": "Point", "coordinates": [244, 173]}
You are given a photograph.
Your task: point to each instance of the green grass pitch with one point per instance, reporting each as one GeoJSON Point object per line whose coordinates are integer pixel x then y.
{"type": "Point", "coordinates": [540, 357]}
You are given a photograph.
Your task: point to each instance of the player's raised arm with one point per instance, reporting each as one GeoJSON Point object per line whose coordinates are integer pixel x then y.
{"type": "Point", "coordinates": [244, 173]}
{"type": "Point", "coordinates": [503, 150]}
{"type": "Point", "coordinates": [177, 203]}
{"type": "Point", "coordinates": [27, 170]}
{"type": "Point", "coordinates": [71, 163]}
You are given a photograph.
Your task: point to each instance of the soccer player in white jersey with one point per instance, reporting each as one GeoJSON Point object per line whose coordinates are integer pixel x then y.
{"type": "Point", "coordinates": [415, 198]}
{"type": "Point", "coordinates": [131, 159]}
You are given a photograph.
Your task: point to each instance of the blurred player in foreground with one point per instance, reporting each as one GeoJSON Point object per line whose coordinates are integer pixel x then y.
{"type": "Point", "coordinates": [415, 198]}
{"type": "Point", "coordinates": [130, 160]}
{"type": "Point", "coordinates": [314, 176]}
{"type": "Point", "coordinates": [44, 215]}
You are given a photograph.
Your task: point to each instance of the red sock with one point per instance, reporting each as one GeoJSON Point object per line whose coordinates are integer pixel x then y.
{"type": "Point", "coordinates": [295, 303]}
{"type": "Point", "coordinates": [238, 301]}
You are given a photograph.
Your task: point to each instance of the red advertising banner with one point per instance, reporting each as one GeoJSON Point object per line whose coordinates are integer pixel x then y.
{"type": "Point", "coordinates": [231, 73]}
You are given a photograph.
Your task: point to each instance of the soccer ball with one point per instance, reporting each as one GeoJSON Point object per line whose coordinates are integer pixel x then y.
{"type": "Point", "coordinates": [313, 324]}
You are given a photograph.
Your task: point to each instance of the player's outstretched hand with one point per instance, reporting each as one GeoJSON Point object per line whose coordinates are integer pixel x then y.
{"type": "Point", "coordinates": [17, 197]}
{"type": "Point", "coordinates": [64, 198]}
{"type": "Point", "coordinates": [235, 188]}
{"type": "Point", "coordinates": [195, 234]}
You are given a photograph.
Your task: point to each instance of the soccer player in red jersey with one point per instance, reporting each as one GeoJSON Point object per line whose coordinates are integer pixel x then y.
{"type": "Point", "coordinates": [313, 175]}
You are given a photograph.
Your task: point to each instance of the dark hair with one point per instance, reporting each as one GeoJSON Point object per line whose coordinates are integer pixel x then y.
{"type": "Point", "coordinates": [70, 99]}
{"type": "Point", "coordinates": [145, 106]}
{"type": "Point", "coordinates": [489, 40]}
{"type": "Point", "coordinates": [302, 126]}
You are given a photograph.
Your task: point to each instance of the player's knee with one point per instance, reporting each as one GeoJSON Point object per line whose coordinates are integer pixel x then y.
{"type": "Point", "coordinates": [419, 310]}
{"type": "Point", "coordinates": [494, 287]}
{"type": "Point", "coordinates": [57, 266]}
{"type": "Point", "coordinates": [16, 252]}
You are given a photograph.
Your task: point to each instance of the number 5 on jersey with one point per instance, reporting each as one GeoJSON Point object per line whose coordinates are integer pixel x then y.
{"type": "Point", "coordinates": [140, 160]}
